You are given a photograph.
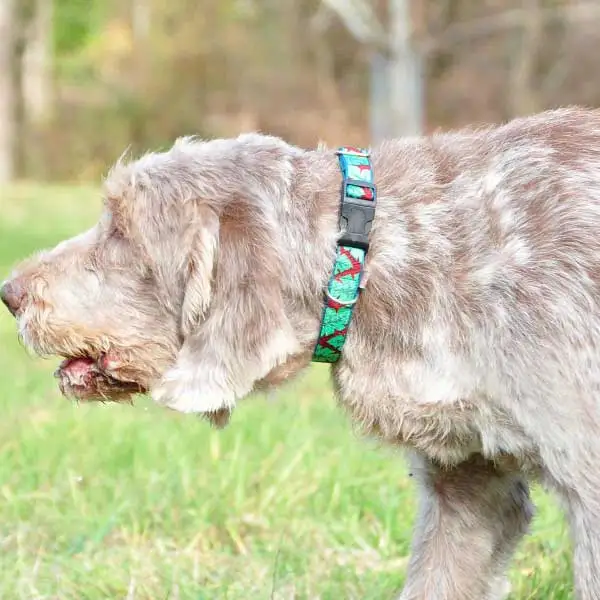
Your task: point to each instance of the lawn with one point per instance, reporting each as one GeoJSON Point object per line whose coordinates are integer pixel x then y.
{"type": "Point", "coordinates": [110, 501]}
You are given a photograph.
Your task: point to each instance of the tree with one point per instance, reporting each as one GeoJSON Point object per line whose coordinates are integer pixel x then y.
{"type": "Point", "coordinates": [396, 100]}
{"type": "Point", "coordinates": [405, 73]}
{"type": "Point", "coordinates": [37, 61]}
{"type": "Point", "coordinates": [7, 90]}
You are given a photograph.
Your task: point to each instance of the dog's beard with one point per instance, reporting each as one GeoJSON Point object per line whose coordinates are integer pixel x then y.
{"type": "Point", "coordinates": [85, 373]}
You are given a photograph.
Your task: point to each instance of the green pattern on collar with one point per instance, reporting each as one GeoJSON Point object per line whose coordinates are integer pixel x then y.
{"type": "Point", "coordinates": [344, 285]}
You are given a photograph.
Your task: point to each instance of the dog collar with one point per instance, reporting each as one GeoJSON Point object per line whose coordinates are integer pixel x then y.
{"type": "Point", "coordinates": [356, 216]}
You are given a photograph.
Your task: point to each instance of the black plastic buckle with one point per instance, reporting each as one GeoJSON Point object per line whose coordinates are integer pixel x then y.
{"type": "Point", "coordinates": [356, 216]}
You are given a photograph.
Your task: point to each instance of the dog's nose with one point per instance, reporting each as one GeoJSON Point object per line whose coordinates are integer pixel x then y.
{"type": "Point", "coordinates": [12, 294]}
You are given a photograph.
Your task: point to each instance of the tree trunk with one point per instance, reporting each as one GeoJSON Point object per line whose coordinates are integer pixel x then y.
{"type": "Point", "coordinates": [141, 18]}
{"type": "Point", "coordinates": [379, 103]}
{"type": "Point", "coordinates": [7, 91]}
{"type": "Point", "coordinates": [37, 63]}
{"type": "Point", "coordinates": [405, 74]}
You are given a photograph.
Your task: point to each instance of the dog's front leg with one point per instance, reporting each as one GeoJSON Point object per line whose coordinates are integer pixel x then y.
{"type": "Point", "coordinates": [470, 519]}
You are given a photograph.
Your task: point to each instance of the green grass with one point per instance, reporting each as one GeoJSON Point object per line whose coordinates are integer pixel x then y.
{"type": "Point", "coordinates": [110, 501]}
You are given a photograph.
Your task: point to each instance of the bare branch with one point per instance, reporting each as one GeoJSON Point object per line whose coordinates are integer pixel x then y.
{"type": "Point", "coordinates": [360, 20]}
{"type": "Point", "coordinates": [321, 19]}
{"type": "Point", "coordinates": [516, 18]}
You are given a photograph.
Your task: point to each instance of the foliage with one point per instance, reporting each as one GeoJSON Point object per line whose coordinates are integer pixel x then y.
{"type": "Point", "coordinates": [141, 72]}
{"type": "Point", "coordinates": [75, 22]}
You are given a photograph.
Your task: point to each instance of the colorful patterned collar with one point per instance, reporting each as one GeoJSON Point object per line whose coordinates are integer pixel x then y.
{"type": "Point", "coordinates": [356, 216]}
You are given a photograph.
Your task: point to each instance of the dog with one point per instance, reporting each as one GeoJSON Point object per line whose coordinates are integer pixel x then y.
{"type": "Point", "coordinates": [474, 343]}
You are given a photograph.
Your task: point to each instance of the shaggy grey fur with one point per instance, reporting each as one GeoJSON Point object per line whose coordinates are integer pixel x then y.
{"type": "Point", "coordinates": [475, 344]}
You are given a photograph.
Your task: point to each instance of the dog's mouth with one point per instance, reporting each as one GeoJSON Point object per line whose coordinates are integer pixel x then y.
{"type": "Point", "coordinates": [86, 378]}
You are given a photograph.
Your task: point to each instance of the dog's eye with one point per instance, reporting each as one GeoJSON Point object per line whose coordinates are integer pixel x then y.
{"type": "Point", "coordinates": [115, 233]}
{"type": "Point", "coordinates": [148, 277]}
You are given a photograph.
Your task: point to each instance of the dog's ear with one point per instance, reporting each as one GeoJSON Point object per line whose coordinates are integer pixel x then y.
{"type": "Point", "coordinates": [200, 251]}
{"type": "Point", "coordinates": [246, 332]}
{"type": "Point", "coordinates": [176, 231]}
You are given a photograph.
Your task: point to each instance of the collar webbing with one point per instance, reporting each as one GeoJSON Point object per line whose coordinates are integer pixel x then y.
{"type": "Point", "coordinates": [356, 215]}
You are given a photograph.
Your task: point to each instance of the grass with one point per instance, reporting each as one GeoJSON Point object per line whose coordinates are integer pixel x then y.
{"type": "Point", "coordinates": [110, 501]}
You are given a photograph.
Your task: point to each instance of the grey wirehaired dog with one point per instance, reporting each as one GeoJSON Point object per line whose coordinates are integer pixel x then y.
{"type": "Point", "coordinates": [475, 343]}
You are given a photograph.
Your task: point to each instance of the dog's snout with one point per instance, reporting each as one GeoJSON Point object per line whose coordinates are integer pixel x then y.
{"type": "Point", "coordinates": [12, 295]}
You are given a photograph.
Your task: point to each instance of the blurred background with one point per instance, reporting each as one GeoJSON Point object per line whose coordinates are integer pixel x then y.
{"type": "Point", "coordinates": [82, 79]}
{"type": "Point", "coordinates": [133, 502]}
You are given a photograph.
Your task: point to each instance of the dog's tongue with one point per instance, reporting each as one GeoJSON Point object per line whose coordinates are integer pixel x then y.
{"type": "Point", "coordinates": [85, 379]}
{"type": "Point", "coordinates": [77, 370]}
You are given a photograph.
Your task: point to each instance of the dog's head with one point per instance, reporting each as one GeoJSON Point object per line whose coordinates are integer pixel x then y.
{"type": "Point", "coordinates": [179, 289]}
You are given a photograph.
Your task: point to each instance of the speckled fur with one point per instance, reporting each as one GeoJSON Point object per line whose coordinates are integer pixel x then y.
{"type": "Point", "coordinates": [475, 344]}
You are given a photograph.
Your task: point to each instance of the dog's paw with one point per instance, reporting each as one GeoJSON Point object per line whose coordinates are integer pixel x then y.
{"type": "Point", "coordinates": [199, 391]}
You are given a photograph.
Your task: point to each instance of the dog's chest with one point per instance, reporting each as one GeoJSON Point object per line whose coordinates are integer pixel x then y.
{"type": "Point", "coordinates": [434, 405]}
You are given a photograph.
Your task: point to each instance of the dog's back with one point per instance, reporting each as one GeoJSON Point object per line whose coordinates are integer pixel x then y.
{"type": "Point", "coordinates": [478, 333]}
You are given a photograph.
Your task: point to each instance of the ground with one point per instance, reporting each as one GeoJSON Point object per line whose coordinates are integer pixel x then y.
{"type": "Point", "coordinates": [110, 501]}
